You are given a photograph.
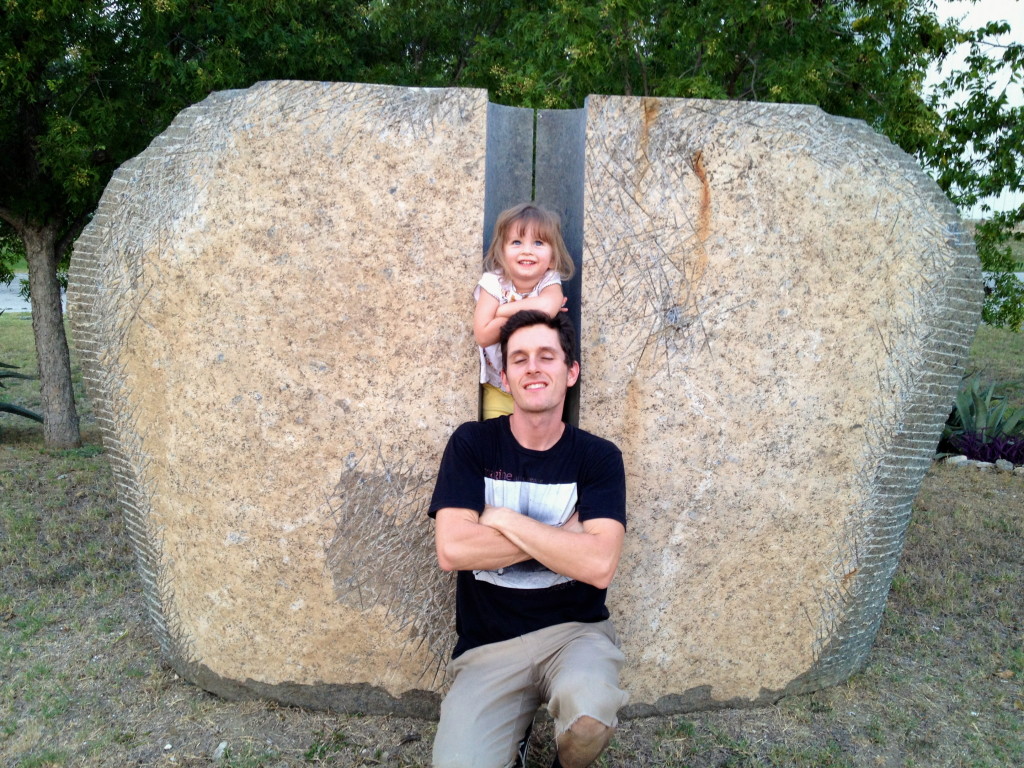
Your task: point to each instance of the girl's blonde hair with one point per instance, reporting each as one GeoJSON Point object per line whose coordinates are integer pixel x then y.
{"type": "Point", "coordinates": [545, 223]}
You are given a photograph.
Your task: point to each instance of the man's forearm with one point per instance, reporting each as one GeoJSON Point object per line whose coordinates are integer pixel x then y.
{"type": "Point", "coordinates": [463, 544]}
{"type": "Point", "coordinates": [588, 553]}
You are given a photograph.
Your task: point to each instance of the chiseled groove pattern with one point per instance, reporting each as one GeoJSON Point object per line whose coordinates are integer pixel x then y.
{"type": "Point", "coordinates": [925, 359]}
{"type": "Point", "coordinates": [105, 271]}
{"type": "Point", "coordinates": [926, 349]}
{"type": "Point", "coordinates": [130, 237]}
{"type": "Point", "coordinates": [379, 509]}
{"type": "Point", "coordinates": [658, 249]}
{"type": "Point", "coordinates": [381, 504]}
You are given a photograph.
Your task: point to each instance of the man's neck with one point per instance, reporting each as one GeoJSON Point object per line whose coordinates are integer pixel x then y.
{"type": "Point", "coordinates": [536, 431]}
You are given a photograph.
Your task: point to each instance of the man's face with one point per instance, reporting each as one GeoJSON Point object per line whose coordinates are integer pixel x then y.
{"type": "Point", "coordinates": [535, 370]}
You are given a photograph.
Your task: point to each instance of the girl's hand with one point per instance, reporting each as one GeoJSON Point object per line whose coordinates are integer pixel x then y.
{"type": "Point", "coordinates": [550, 302]}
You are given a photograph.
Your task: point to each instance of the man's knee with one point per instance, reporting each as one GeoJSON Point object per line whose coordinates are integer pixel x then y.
{"type": "Point", "coordinates": [583, 742]}
{"type": "Point", "coordinates": [585, 698]}
{"type": "Point", "coordinates": [587, 729]}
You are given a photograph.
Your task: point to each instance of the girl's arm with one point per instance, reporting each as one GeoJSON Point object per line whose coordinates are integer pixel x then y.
{"type": "Point", "coordinates": [550, 301]}
{"type": "Point", "coordinates": [486, 324]}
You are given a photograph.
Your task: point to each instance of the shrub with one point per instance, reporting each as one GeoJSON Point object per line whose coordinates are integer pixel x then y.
{"type": "Point", "coordinates": [974, 445]}
{"type": "Point", "coordinates": [982, 426]}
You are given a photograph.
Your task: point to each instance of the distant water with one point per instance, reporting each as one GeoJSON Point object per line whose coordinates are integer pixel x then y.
{"type": "Point", "coordinates": [10, 301]}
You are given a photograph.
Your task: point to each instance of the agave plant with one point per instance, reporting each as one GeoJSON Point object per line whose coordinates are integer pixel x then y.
{"type": "Point", "coordinates": [982, 426]}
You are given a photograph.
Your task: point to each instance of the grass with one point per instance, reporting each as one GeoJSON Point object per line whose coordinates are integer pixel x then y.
{"type": "Point", "coordinates": [1017, 252]}
{"type": "Point", "coordinates": [998, 356]}
{"type": "Point", "coordinates": [16, 349]}
{"type": "Point", "coordinates": [82, 682]}
{"type": "Point", "coordinates": [19, 267]}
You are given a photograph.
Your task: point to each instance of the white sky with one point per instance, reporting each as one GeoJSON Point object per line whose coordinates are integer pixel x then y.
{"type": "Point", "coordinates": [974, 15]}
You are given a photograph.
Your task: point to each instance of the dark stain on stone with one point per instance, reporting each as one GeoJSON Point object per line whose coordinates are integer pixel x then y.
{"type": "Point", "coordinates": [704, 216]}
{"type": "Point", "coordinates": [650, 107]}
{"type": "Point", "coordinates": [352, 698]}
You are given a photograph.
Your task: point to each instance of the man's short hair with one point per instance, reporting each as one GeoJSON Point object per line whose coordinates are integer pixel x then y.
{"type": "Point", "coordinates": [528, 317]}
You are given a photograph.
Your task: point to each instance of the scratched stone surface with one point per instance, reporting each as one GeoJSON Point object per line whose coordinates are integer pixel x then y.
{"type": "Point", "coordinates": [272, 307]}
{"type": "Point", "coordinates": [777, 305]}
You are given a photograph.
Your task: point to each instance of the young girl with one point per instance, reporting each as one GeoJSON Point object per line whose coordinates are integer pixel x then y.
{"type": "Point", "coordinates": [523, 269]}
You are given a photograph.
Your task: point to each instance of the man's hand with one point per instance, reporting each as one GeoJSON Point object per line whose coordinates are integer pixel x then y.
{"type": "Point", "coordinates": [492, 517]}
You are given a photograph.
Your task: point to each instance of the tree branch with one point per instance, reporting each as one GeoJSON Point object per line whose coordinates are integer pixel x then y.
{"type": "Point", "coordinates": [72, 234]}
{"type": "Point", "coordinates": [16, 221]}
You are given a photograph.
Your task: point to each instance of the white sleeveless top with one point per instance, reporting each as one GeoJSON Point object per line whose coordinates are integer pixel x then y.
{"type": "Point", "coordinates": [504, 291]}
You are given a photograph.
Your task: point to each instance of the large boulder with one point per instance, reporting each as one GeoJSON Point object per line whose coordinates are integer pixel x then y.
{"type": "Point", "coordinates": [273, 312]}
{"type": "Point", "coordinates": [777, 305]}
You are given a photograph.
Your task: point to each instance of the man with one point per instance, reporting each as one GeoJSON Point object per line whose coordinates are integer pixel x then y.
{"type": "Point", "coordinates": [531, 513]}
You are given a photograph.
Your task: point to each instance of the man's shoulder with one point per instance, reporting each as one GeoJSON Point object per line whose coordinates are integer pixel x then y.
{"type": "Point", "coordinates": [479, 430]}
{"type": "Point", "coordinates": [592, 442]}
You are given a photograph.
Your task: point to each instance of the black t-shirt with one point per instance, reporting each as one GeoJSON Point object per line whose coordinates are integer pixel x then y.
{"type": "Point", "coordinates": [483, 463]}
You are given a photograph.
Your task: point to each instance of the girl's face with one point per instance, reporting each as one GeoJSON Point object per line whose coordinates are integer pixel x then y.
{"type": "Point", "coordinates": [527, 257]}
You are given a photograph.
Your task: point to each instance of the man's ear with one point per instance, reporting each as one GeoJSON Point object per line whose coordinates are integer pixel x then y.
{"type": "Point", "coordinates": [574, 374]}
{"type": "Point", "coordinates": [504, 381]}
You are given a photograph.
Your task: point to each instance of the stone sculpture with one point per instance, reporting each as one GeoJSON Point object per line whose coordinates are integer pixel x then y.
{"type": "Point", "coordinates": [272, 307]}
{"type": "Point", "coordinates": [776, 307]}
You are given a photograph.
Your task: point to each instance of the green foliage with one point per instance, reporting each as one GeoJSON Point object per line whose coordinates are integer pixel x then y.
{"type": "Point", "coordinates": [189, 49]}
{"type": "Point", "coordinates": [1004, 303]}
{"type": "Point", "coordinates": [68, 96]}
{"type": "Point", "coordinates": [977, 155]}
{"type": "Point", "coordinates": [996, 355]}
{"type": "Point", "coordinates": [12, 253]}
{"type": "Point", "coordinates": [864, 59]}
{"type": "Point", "coordinates": [977, 410]}
{"type": "Point", "coordinates": [86, 85]}
{"type": "Point", "coordinates": [983, 426]}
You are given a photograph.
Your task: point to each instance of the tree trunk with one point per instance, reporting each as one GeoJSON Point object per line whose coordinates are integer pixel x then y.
{"type": "Point", "coordinates": [60, 419]}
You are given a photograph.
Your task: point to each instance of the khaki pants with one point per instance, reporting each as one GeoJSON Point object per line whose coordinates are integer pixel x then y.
{"type": "Point", "coordinates": [497, 688]}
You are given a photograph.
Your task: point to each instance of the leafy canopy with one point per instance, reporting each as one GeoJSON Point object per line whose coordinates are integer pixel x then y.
{"type": "Point", "coordinates": [864, 59]}
{"type": "Point", "coordinates": [86, 84]}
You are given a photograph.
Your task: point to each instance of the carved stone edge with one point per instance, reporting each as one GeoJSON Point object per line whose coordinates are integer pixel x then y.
{"type": "Point", "coordinates": [98, 266]}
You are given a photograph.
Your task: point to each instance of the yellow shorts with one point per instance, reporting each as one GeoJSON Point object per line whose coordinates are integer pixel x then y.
{"type": "Point", "coordinates": [496, 402]}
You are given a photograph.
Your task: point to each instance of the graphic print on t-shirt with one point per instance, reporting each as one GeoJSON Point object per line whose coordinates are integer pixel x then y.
{"type": "Point", "coordinates": [549, 504]}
